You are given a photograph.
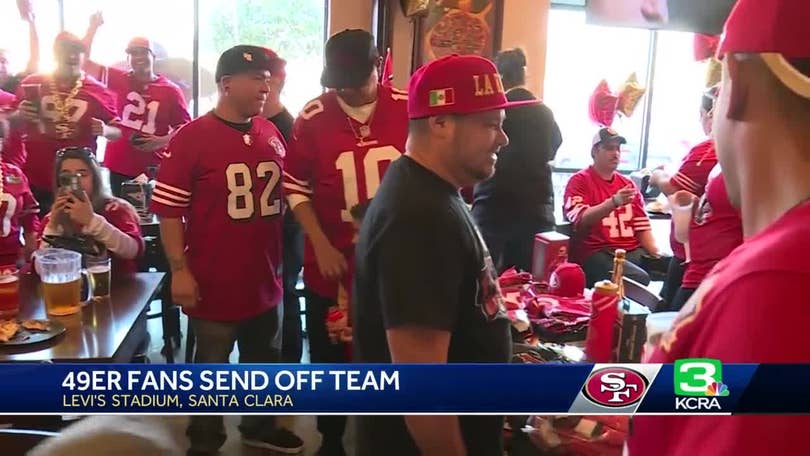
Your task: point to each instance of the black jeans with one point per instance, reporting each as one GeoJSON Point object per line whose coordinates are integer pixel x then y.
{"type": "Point", "coordinates": [259, 340]}
{"type": "Point", "coordinates": [115, 183]}
{"type": "Point", "coordinates": [673, 280]}
{"type": "Point", "coordinates": [293, 259]}
{"type": "Point", "coordinates": [510, 240]}
{"type": "Point", "coordinates": [45, 198]}
{"type": "Point", "coordinates": [322, 350]}
{"type": "Point", "coordinates": [680, 299]}
{"type": "Point", "coordinates": [599, 266]}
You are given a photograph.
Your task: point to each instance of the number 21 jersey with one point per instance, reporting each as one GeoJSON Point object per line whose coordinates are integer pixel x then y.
{"type": "Point", "coordinates": [226, 184]}
{"type": "Point", "coordinates": [330, 166]}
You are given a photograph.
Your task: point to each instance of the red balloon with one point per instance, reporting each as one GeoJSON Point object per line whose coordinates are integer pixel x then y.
{"type": "Point", "coordinates": [602, 105]}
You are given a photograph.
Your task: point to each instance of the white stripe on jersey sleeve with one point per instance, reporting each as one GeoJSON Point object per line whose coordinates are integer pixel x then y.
{"type": "Point", "coordinates": [156, 198]}
{"type": "Point", "coordinates": [171, 189]}
{"type": "Point", "coordinates": [297, 188]}
{"type": "Point", "coordinates": [295, 180]}
{"type": "Point", "coordinates": [296, 199]}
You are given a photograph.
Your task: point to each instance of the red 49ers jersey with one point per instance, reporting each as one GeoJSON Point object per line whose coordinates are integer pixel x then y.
{"type": "Point", "coordinates": [18, 209]}
{"type": "Point", "coordinates": [226, 184]}
{"type": "Point", "coordinates": [92, 101]}
{"type": "Point", "coordinates": [692, 176]}
{"type": "Point", "coordinates": [616, 231]}
{"type": "Point", "coordinates": [152, 108]}
{"type": "Point", "coordinates": [332, 167]}
{"type": "Point", "coordinates": [13, 149]}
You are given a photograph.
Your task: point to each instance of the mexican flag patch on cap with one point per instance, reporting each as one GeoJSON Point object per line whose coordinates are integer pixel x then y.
{"type": "Point", "coordinates": [441, 97]}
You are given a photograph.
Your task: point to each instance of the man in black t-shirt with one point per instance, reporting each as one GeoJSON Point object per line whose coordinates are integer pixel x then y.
{"type": "Point", "coordinates": [425, 289]}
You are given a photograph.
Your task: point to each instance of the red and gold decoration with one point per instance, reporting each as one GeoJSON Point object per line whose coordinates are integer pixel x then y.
{"type": "Point", "coordinates": [602, 105]}
{"type": "Point", "coordinates": [705, 49]}
{"type": "Point", "coordinates": [630, 94]}
{"type": "Point", "coordinates": [459, 27]}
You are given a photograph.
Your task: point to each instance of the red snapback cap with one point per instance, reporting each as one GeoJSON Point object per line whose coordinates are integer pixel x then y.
{"type": "Point", "coordinates": [457, 84]}
{"type": "Point", "coordinates": [567, 280]}
{"type": "Point", "coordinates": [776, 30]}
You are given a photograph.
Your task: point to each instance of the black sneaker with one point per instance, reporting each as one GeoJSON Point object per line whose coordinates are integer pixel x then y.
{"type": "Point", "coordinates": [279, 440]}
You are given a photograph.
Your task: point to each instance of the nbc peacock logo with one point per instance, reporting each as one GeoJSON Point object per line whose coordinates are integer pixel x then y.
{"type": "Point", "coordinates": [717, 389]}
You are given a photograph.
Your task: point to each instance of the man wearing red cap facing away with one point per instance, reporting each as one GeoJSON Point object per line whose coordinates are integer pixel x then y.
{"type": "Point", "coordinates": [342, 144]}
{"type": "Point", "coordinates": [66, 109]}
{"type": "Point", "coordinates": [763, 144]}
{"type": "Point", "coordinates": [425, 288]}
{"type": "Point", "coordinates": [152, 108]}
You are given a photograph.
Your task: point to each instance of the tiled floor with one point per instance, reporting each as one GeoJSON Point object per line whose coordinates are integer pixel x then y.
{"type": "Point", "coordinates": [304, 426]}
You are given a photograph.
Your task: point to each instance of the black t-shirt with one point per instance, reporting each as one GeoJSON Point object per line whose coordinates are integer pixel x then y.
{"type": "Point", "coordinates": [284, 122]}
{"type": "Point", "coordinates": [521, 187]}
{"type": "Point", "coordinates": [421, 261]}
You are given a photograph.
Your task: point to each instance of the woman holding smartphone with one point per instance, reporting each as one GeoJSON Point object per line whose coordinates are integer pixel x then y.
{"type": "Point", "coordinates": [91, 211]}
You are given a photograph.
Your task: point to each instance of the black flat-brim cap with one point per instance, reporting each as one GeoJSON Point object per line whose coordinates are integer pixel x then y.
{"type": "Point", "coordinates": [350, 56]}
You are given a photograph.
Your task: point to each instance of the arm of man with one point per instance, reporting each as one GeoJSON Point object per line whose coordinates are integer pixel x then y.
{"type": "Point", "coordinates": [298, 170]}
{"type": "Point", "coordinates": [171, 201]}
{"type": "Point", "coordinates": [434, 434]}
{"type": "Point", "coordinates": [33, 45]}
{"type": "Point", "coordinates": [642, 226]}
{"type": "Point", "coordinates": [578, 209]}
{"type": "Point", "coordinates": [420, 274]}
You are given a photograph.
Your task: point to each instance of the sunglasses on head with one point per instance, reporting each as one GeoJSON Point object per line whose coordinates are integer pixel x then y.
{"type": "Point", "coordinates": [76, 152]}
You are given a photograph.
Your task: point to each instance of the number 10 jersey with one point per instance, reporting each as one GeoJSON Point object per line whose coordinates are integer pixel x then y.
{"type": "Point", "coordinates": [226, 184]}
{"type": "Point", "coordinates": [336, 163]}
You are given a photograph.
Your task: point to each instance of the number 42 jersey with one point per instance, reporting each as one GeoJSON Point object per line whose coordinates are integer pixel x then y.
{"type": "Point", "coordinates": [226, 184]}
{"type": "Point", "coordinates": [336, 162]}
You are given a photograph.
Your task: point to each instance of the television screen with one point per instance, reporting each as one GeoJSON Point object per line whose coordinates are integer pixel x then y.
{"type": "Point", "coordinates": [700, 16]}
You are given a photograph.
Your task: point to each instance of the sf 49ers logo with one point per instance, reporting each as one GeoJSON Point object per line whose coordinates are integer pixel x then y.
{"type": "Point", "coordinates": [615, 387]}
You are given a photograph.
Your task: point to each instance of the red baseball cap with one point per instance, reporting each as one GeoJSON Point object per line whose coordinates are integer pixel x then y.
{"type": "Point", "coordinates": [140, 42]}
{"type": "Point", "coordinates": [777, 31]}
{"type": "Point", "coordinates": [68, 40]}
{"type": "Point", "coordinates": [567, 280]}
{"type": "Point", "coordinates": [457, 84]}
{"type": "Point", "coordinates": [277, 64]}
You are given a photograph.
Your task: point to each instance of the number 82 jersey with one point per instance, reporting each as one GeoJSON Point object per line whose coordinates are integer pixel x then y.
{"type": "Point", "coordinates": [227, 185]}
{"type": "Point", "coordinates": [330, 166]}
{"type": "Point", "coordinates": [618, 230]}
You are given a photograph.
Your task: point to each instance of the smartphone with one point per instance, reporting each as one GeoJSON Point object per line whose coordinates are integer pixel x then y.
{"type": "Point", "coordinates": [32, 92]}
{"type": "Point", "coordinates": [69, 183]}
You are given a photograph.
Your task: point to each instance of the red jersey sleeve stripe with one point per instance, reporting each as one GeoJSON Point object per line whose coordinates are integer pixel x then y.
{"type": "Point", "coordinates": [288, 176]}
{"type": "Point", "coordinates": [297, 188]}
{"type": "Point", "coordinates": [166, 202]}
{"type": "Point", "coordinates": [575, 213]}
{"type": "Point", "coordinates": [175, 190]}
{"type": "Point", "coordinates": [171, 197]}
{"type": "Point", "coordinates": [684, 182]}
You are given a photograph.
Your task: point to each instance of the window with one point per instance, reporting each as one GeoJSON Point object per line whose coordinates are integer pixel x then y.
{"type": "Point", "coordinates": [172, 31]}
{"type": "Point", "coordinates": [580, 55]}
{"type": "Point", "coordinates": [679, 82]}
{"type": "Point", "coordinates": [14, 34]}
{"type": "Point", "coordinates": [294, 29]}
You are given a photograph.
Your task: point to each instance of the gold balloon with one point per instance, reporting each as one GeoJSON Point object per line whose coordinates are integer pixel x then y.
{"type": "Point", "coordinates": [630, 94]}
{"type": "Point", "coordinates": [713, 72]}
{"type": "Point", "coordinates": [414, 7]}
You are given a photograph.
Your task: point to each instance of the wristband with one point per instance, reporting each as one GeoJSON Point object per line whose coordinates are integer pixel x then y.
{"type": "Point", "coordinates": [613, 200]}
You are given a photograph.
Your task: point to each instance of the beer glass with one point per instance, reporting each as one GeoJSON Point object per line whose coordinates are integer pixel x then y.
{"type": "Point", "coordinates": [9, 294]}
{"type": "Point", "coordinates": [98, 271]}
{"type": "Point", "coordinates": [61, 274]}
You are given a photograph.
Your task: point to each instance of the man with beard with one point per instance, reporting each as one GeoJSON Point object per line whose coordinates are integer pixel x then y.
{"type": "Point", "coordinates": [763, 144]}
{"type": "Point", "coordinates": [151, 107]}
{"type": "Point", "coordinates": [425, 288]}
{"type": "Point", "coordinates": [65, 109]}
{"type": "Point", "coordinates": [218, 186]}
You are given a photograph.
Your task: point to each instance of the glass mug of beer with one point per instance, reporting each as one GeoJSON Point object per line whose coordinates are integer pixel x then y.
{"type": "Point", "coordinates": [98, 271]}
{"type": "Point", "coordinates": [61, 274]}
{"type": "Point", "coordinates": [9, 293]}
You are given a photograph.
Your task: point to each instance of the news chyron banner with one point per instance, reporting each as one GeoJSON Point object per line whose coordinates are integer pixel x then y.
{"type": "Point", "coordinates": [691, 386]}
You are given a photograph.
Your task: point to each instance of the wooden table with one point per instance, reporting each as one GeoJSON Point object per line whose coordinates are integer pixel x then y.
{"type": "Point", "coordinates": [107, 331]}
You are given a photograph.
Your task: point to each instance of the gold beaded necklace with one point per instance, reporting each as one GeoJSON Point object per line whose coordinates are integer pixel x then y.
{"type": "Point", "coordinates": [62, 104]}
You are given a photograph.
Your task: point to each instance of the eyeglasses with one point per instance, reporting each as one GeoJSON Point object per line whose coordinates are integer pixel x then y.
{"type": "Point", "coordinates": [76, 152]}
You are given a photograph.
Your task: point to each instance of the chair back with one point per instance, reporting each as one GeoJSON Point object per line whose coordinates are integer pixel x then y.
{"type": "Point", "coordinates": [641, 294]}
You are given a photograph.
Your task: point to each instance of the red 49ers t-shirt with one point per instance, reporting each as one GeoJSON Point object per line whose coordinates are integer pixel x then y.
{"type": "Point", "coordinates": [226, 184]}
{"type": "Point", "coordinates": [18, 209]}
{"type": "Point", "coordinates": [152, 108]}
{"type": "Point", "coordinates": [692, 176]}
{"type": "Point", "coordinates": [752, 308]}
{"type": "Point", "coordinates": [616, 231]}
{"type": "Point", "coordinates": [715, 230]}
{"type": "Point", "coordinates": [329, 166]}
{"type": "Point", "coordinates": [13, 149]}
{"type": "Point", "coordinates": [92, 101]}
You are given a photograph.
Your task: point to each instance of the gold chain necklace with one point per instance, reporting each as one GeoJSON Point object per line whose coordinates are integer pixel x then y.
{"type": "Point", "coordinates": [61, 104]}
